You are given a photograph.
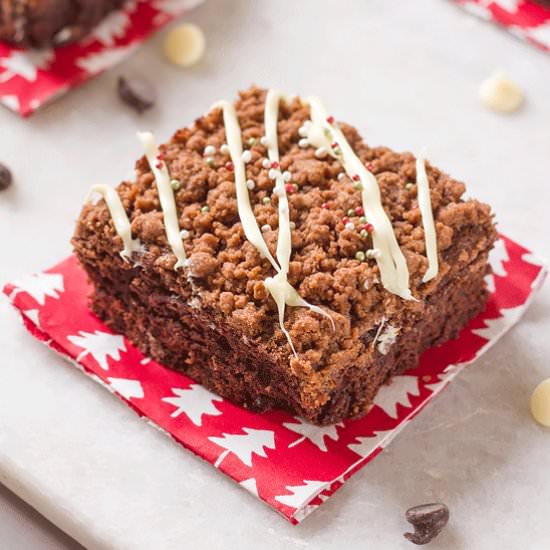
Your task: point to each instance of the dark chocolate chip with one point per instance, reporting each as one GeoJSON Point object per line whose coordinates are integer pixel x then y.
{"type": "Point", "coordinates": [137, 92]}
{"type": "Point", "coordinates": [428, 520]}
{"type": "Point", "coordinates": [5, 177]}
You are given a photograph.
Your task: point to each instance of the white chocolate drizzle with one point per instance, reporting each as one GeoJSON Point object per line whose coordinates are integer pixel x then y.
{"type": "Point", "coordinates": [425, 205]}
{"type": "Point", "coordinates": [120, 218]}
{"type": "Point", "coordinates": [166, 197]}
{"type": "Point", "coordinates": [391, 262]}
{"type": "Point", "coordinates": [278, 286]}
{"type": "Point", "coordinates": [246, 214]}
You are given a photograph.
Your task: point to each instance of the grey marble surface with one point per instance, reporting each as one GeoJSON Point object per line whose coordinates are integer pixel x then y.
{"type": "Point", "coordinates": [406, 74]}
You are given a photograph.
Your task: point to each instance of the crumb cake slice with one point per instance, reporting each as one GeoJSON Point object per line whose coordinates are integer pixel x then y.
{"type": "Point", "coordinates": [272, 255]}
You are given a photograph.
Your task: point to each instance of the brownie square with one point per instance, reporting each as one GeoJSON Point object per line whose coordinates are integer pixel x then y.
{"type": "Point", "coordinates": [215, 319]}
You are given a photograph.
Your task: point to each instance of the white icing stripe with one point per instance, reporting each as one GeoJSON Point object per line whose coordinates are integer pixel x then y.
{"type": "Point", "coordinates": [278, 286]}
{"type": "Point", "coordinates": [166, 197]}
{"type": "Point", "coordinates": [246, 214]}
{"type": "Point", "coordinates": [425, 205]}
{"type": "Point", "coordinates": [393, 266]}
{"type": "Point", "coordinates": [120, 219]}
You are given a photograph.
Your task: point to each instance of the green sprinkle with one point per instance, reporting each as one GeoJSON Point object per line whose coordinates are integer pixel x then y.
{"type": "Point", "coordinates": [337, 151]}
{"type": "Point", "coordinates": [251, 142]}
{"type": "Point", "coordinates": [364, 233]}
{"type": "Point", "coordinates": [351, 213]}
{"type": "Point", "coordinates": [205, 209]}
{"type": "Point", "coordinates": [362, 220]}
{"type": "Point", "coordinates": [360, 256]}
{"type": "Point", "coordinates": [409, 186]}
{"type": "Point", "coordinates": [358, 186]}
{"type": "Point", "coordinates": [326, 131]}
{"type": "Point", "coordinates": [176, 184]}
{"type": "Point", "coordinates": [266, 200]}
{"type": "Point", "coordinates": [210, 162]}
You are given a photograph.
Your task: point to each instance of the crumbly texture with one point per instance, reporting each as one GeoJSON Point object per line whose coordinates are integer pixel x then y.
{"type": "Point", "coordinates": [216, 321]}
{"type": "Point", "coordinates": [43, 23]}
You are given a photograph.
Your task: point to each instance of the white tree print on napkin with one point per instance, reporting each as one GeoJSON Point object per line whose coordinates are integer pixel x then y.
{"type": "Point", "coordinates": [97, 62]}
{"type": "Point", "coordinates": [127, 388]}
{"type": "Point", "coordinates": [100, 345]}
{"type": "Point", "coordinates": [364, 446]}
{"type": "Point", "coordinates": [112, 27]}
{"type": "Point", "coordinates": [301, 493]}
{"type": "Point", "coordinates": [250, 485]}
{"type": "Point", "coordinates": [498, 256]}
{"type": "Point", "coordinates": [245, 445]}
{"type": "Point", "coordinates": [397, 393]}
{"type": "Point", "coordinates": [25, 64]}
{"type": "Point", "coordinates": [315, 434]}
{"type": "Point", "coordinates": [495, 327]}
{"type": "Point", "coordinates": [39, 286]}
{"type": "Point", "coordinates": [194, 402]}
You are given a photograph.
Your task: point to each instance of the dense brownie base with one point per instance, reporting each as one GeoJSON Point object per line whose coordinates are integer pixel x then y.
{"type": "Point", "coordinates": [43, 23]}
{"type": "Point", "coordinates": [206, 349]}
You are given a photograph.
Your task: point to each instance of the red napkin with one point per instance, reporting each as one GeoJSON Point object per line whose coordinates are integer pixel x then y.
{"type": "Point", "coordinates": [289, 464]}
{"type": "Point", "coordinates": [525, 19]}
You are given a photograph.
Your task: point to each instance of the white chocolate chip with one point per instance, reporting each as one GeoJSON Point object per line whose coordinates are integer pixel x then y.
{"type": "Point", "coordinates": [272, 173]}
{"type": "Point", "coordinates": [209, 150]}
{"type": "Point", "coordinates": [266, 228]}
{"type": "Point", "coordinates": [499, 93]}
{"type": "Point", "coordinates": [184, 45]}
{"type": "Point", "coordinates": [264, 141]}
{"type": "Point", "coordinates": [341, 176]}
{"type": "Point", "coordinates": [303, 143]}
{"type": "Point", "coordinates": [184, 234]}
{"type": "Point", "coordinates": [250, 184]}
{"type": "Point", "coordinates": [302, 131]}
{"type": "Point", "coordinates": [266, 163]}
{"type": "Point", "coordinates": [225, 149]}
{"type": "Point", "coordinates": [540, 403]}
{"type": "Point", "coordinates": [292, 225]}
{"type": "Point", "coordinates": [247, 156]}
{"type": "Point", "coordinates": [287, 175]}
{"type": "Point", "coordinates": [350, 226]}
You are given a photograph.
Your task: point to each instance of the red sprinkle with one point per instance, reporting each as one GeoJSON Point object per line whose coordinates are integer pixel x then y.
{"type": "Point", "coordinates": [330, 119]}
{"type": "Point", "coordinates": [275, 164]}
{"type": "Point", "coordinates": [290, 188]}
{"type": "Point", "coordinates": [369, 166]}
{"type": "Point", "coordinates": [359, 211]}
{"type": "Point", "coordinates": [160, 156]}
{"type": "Point", "coordinates": [324, 205]}
{"type": "Point", "coordinates": [158, 165]}
{"type": "Point", "coordinates": [345, 220]}
{"type": "Point", "coordinates": [229, 166]}
{"type": "Point", "coordinates": [356, 177]}
{"type": "Point", "coordinates": [368, 227]}
{"type": "Point", "coordinates": [334, 145]}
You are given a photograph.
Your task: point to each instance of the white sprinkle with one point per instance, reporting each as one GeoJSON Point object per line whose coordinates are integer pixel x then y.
{"type": "Point", "coordinates": [341, 176]}
{"type": "Point", "coordinates": [209, 150]}
{"type": "Point", "coordinates": [225, 149]}
{"type": "Point", "coordinates": [266, 163]}
{"type": "Point", "coordinates": [302, 131]}
{"type": "Point", "coordinates": [250, 184]}
{"type": "Point", "coordinates": [272, 173]}
{"type": "Point", "coordinates": [373, 253]}
{"type": "Point", "coordinates": [303, 143]}
{"type": "Point", "coordinates": [349, 226]}
{"type": "Point", "coordinates": [247, 156]}
{"type": "Point", "coordinates": [264, 141]}
{"type": "Point", "coordinates": [287, 175]}
{"type": "Point", "coordinates": [292, 225]}
{"type": "Point", "coordinates": [265, 228]}
{"type": "Point", "coordinates": [366, 284]}
{"type": "Point", "coordinates": [307, 124]}
{"type": "Point", "coordinates": [321, 153]}
{"type": "Point", "coordinates": [184, 234]}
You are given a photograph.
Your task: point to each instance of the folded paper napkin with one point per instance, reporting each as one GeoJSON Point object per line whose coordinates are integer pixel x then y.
{"type": "Point", "coordinates": [526, 19]}
{"type": "Point", "coordinates": [30, 78]}
{"type": "Point", "coordinates": [289, 464]}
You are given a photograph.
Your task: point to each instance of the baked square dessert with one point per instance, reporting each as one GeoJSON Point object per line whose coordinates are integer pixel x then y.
{"type": "Point", "coordinates": [44, 23]}
{"type": "Point", "coordinates": [271, 254]}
